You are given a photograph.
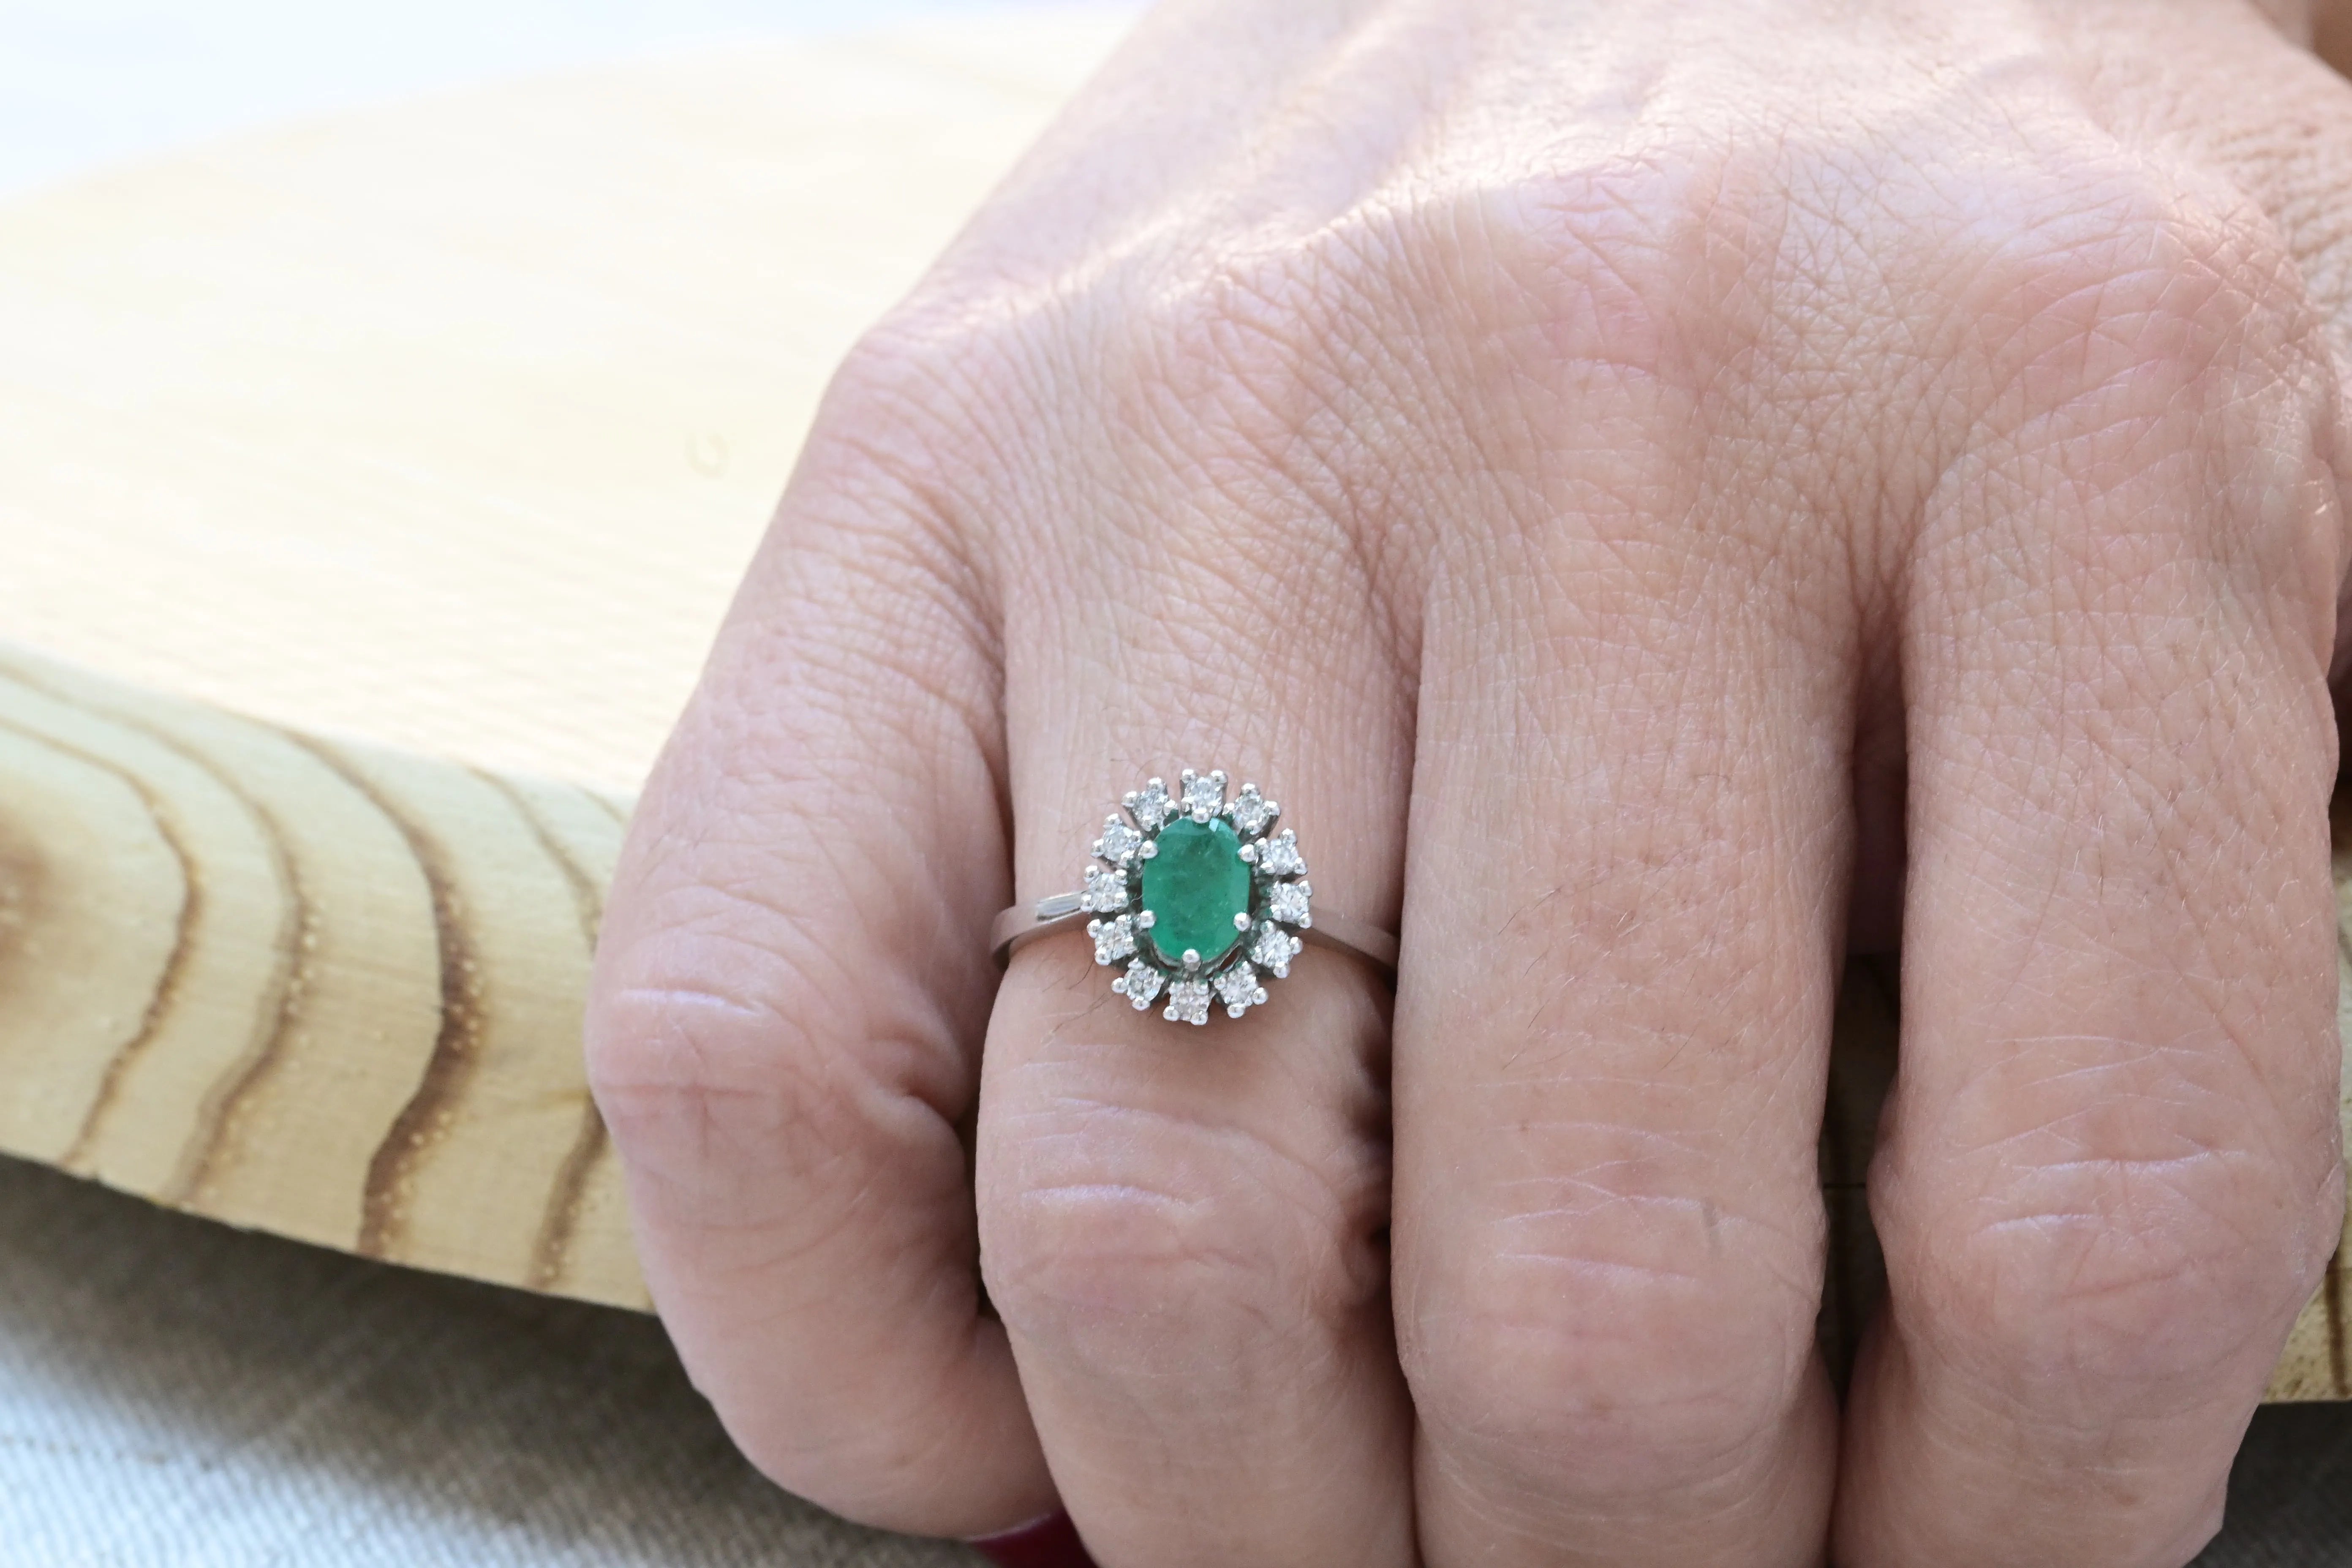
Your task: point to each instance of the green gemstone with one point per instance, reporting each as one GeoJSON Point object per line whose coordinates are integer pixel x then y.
{"type": "Point", "coordinates": [1193, 885]}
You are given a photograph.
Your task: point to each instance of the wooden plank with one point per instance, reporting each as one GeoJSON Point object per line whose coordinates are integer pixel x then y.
{"type": "Point", "coordinates": [306, 986]}
{"type": "Point", "coordinates": [435, 436]}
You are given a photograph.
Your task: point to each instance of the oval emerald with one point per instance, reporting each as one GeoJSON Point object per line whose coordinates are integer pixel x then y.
{"type": "Point", "coordinates": [1194, 886]}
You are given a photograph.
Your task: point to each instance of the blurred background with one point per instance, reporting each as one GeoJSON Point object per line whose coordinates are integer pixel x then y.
{"type": "Point", "coordinates": [85, 83]}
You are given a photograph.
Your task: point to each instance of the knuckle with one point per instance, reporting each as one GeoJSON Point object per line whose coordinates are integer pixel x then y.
{"type": "Point", "coordinates": [857, 1451]}
{"type": "Point", "coordinates": [2135, 362]}
{"type": "Point", "coordinates": [694, 1070]}
{"type": "Point", "coordinates": [777, 1144]}
{"type": "Point", "coordinates": [1240, 367]}
{"type": "Point", "coordinates": [2122, 295]}
{"type": "Point", "coordinates": [2162, 308]}
{"type": "Point", "coordinates": [2126, 1276]}
{"type": "Point", "coordinates": [1604, 272]}
{"type": "Point", "coordinates": [925, 412]}
{"type": "Point", "coordinates": [720, 1066]}
{"type": "Point", "coordinates": [902, 382]}
{"type": "Point", "coordinates": [1620, 1357]}
{"type": "Point", "coordinates": [1136, 1246]}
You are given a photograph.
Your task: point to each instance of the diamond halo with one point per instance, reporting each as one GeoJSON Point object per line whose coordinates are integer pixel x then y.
{"type": "Point", "coordinates": [1266, 899]}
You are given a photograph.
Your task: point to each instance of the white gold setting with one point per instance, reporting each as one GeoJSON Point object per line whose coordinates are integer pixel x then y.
{"type": "Point", "coordinates": [1261, 948]}
{"type": "Point", "coordinates": [1203, 881]}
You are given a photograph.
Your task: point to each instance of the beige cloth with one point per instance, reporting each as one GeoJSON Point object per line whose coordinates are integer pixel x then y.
{"type": "Point", "coordinates": [175, 1393]}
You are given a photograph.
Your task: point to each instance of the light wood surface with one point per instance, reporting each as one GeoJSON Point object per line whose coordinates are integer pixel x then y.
{"type": "Point", "coordinates": [313, 987]}
{"type": "Point", "coordinates": [478, 401]}
{"type": "Point", "coordinates": [433, 438]}
{"type": "Point", "coordinates": [370, 490]}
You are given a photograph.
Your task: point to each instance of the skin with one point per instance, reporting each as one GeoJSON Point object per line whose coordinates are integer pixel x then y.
{"type": "Point", "coordinates": [1665, 493]}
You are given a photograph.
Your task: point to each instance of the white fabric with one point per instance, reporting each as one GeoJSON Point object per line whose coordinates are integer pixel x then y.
{"type": "Point", "coordinates": [177, 1395]}
{"type": "Point", "coordinates": [85, 83]}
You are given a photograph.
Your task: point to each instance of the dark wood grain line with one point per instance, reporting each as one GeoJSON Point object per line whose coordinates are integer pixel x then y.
{"type": "Point", "coordinates": [610, 808]}
{"type": "Point", "coordinates": [587, 897]}
{"type": "Point", "coordinates": [290, 972]}
{"type": "Point", "coordinates": [289, 983]}
{"type": "Point", "coordinates": [159, 1002]}
{"type": "Point", "coordinates": [551, 1245]}
{"type": "Point", "coordinates": [457, 1043]}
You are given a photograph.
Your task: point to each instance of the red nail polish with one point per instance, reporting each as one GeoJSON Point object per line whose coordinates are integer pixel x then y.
{"type": "Point", "coordinates": [1051, 1543]}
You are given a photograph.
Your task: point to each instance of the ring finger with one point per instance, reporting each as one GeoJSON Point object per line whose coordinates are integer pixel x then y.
{"type": "Point", "coordinates": [1184, 1228]}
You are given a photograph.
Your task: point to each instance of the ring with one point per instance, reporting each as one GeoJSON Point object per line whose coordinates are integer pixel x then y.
{"type": "Point", "coordinates": [1199, 897]}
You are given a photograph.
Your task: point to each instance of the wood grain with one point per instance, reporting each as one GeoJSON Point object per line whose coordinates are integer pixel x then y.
{"type": "Point", "coordinates": [448, 425]}
{"type": "Point", "coordinates": [308, 986]}
{"type": "Point", "coordinates": [482, 401]}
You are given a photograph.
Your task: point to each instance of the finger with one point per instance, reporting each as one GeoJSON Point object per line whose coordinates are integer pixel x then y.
{"type": "Point", "coordinates": [2109, 1176]}
{"type": "Point", "coordinates": [1628, 840]}
{"type": "Point", "coordinates": [789, 999]}
{"type": "Point", "coordinates": [1185, 1228]}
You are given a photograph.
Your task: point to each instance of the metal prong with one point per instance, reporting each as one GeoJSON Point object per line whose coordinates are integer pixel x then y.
{"type": "Point", "coordinates": [1241, 921]}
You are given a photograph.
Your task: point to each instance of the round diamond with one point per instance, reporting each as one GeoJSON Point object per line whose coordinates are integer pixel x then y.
{"type": "Point", "coordinates": [1252, 812]}
{"type": "Point", "coordinates": [1279, 856]}
{"type": "Point", "coordinates": [1286, 901]}
{"type": "Point", "coordinates": [1140, 984]}
{"type": "Point", "coordinates": [1204, 797]}
{"type": "Point", "coordinates": [1117, 841]}
{"type": "Point", "coordinates": [1114, 940]}
{"type": "Point", "coordinates": [1188, 1002]}
{"type": "Point", "coordinates": [1273, 950]}
{"type": "Point", "coordinates": [1152, 805]}
{"type": "Point", "coordinates": [1238, 988]}
{"type": "Point", "coordinates": [1106, 891]}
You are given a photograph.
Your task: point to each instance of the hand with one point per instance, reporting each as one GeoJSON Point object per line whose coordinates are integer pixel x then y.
{"type": "Point", "coordinates": [1623, 473]}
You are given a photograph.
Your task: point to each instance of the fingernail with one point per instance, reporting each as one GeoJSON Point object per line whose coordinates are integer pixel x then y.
{"type": "Point", "coordinates": [1049, 1543]}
